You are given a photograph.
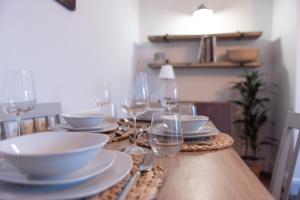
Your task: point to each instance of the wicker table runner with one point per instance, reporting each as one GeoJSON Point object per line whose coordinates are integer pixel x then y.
{"type": "Point", "coordinates": [219, 141]}
{"type": "Point", "coordinates": [146, 187]}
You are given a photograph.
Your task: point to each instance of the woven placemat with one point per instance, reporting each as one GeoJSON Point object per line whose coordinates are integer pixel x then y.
{"type": "Point", "coordinates": [123, 136]}
{"type": "Point", "coordinates": [117, 138]}
{"type": "Point", "coordinates": [216, 142]}
{"type": "Point", "coordinates": [146, 187]}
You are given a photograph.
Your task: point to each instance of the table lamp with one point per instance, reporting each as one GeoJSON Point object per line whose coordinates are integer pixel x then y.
{"type": "Point", "coordinates": [167, 72]}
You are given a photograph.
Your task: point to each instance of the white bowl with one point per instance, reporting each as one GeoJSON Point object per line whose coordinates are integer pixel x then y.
{"type": "Point", "coordinates": [52, 153]}
{"type": "Point", "coordinates": [189, 123]}
{"type": "Point", "coordinates": [83, 119]}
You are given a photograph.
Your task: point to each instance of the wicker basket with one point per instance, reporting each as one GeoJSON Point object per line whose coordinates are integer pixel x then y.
{"type": "Point", "coordinates": [242, 55]}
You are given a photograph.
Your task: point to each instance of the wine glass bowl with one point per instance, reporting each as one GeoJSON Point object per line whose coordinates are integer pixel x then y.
{"type": "Point", "coordinates": [19, 108]}
{"type": "Point", "coordinates": [103, 96]}
{"type": "Point", "coordinates": [169, 94]}
{"type": "Point", "coordinates": [134, 108]}
{"type": "Point", "coordinates": [18, 94]}
{"type": "Point", "coordinates": [110, 113]}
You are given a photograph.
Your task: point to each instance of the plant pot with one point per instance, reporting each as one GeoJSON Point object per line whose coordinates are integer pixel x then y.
{"type": "Point", "coordinates": [254, 164]}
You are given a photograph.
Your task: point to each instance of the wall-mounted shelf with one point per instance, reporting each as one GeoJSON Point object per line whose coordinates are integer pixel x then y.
{"type": "Point", "coordinates": [220, 36]}
{"type": "Point", "coordinates": [209, 65]}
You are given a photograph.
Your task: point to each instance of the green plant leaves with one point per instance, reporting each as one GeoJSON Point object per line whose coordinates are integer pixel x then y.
{"type": "Point", "coordinates": [254, 102]}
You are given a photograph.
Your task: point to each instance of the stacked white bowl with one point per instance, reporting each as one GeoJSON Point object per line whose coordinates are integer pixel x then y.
{"type": "Point", "coordinates": [189, 123]}
{"type": "Point", "coordinates": [84, 119]}
{"type": "Point", "coordinates": [52, 153]}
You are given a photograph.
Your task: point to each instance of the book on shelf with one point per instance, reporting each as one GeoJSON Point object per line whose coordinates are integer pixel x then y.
{"type": "Point", "coordinates": [207, 57]}
{"type": "Point", "coordinates": [200, 50]}
{"type": "Point", "coordinates": [207, 49]}
{"type": "Point", "coordinates": [214, 49]}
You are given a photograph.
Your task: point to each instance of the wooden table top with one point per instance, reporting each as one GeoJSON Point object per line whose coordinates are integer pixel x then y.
{"type": "Point", "coordinates": [211, 175]}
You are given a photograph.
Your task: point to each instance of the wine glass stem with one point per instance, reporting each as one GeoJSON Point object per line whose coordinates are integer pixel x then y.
{"type": "Point", "coordinates": [134, 130]}
{"type": "Point", "coordinates": [19, 121]}
{"type": "Point", "coordinates": [169, 110]}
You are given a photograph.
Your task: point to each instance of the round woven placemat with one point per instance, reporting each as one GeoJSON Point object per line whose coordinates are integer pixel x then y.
{"type": "Point", "coordinates": [219, 141]}
{"type": "Point", "coordinates": [146, 187]}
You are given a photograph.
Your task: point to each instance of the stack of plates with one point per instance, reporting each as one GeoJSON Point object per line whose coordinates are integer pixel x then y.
{"type": "Point", "coordinates": [102, 128]}
{"type": "Point", "coordinates": [203, 132]}
{"type": "Point", "coordinates": [102, 172]}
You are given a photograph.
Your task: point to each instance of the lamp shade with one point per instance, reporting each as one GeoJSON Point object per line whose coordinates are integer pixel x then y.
{"type": "Point", "coordinates": [166, 72]}
{"type": "Point", "coordinates": [203, 11]}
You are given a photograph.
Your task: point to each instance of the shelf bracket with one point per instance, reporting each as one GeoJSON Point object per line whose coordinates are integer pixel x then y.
{"type": "Point", "coordinates": [241, 35]}
{"type": "Point", "coordinates": [165, 38]}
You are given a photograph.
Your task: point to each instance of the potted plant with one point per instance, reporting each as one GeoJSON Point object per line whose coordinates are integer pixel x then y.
{"type": "Point", "coordinates": [254, 103]}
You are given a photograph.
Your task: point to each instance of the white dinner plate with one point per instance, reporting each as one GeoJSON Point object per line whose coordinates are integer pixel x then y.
{"type": "Point", "coordinates": [205, 131]}
{"type": "Point", "coordinates": [96, 166]}
{"type": "Point", "coordinates": [199, 136]}
{"type": "Point", "coordinates": [111, 127]}
{"type": "Point", "coordinates": [71, 128]}
{"type": "Point", "coordinates": [113, 175]}
{"type": "Point", "coordinates": [202, 130]}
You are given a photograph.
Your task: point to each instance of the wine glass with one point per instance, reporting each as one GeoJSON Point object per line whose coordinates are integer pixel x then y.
{"type": "Point", "coordinates": [110, 112]}
{"type": "Point", "coordinates": [169, 94]}
{"type": "Point", "coordinates": [18, 95]}
{"type": "Point", "coordinates": [103, 95]}
{"type": "Point", "coordinates": [135, 102]}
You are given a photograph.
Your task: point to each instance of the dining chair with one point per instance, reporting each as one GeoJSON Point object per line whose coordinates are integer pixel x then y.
{"type": "Point", "coordinates": [185, 109]}
{"type": "Point", "coordinates": [218, 112]}
{"type": "Point", "coordinates": [43, 116]}
{"type": "Point", "coordinates": [286, 158]}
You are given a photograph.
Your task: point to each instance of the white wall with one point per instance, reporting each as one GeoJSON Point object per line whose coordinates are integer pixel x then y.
{"type": "Point", "coordinates": [285, 49]}
{"type": "Point", "coordinates": [70, 53]}
{"type": "Point", "coordinates": [296, 179]}
{"type": "Point", "coordinates": [297, 80]}
{"type": "Point", "coordinates": [284, 55]}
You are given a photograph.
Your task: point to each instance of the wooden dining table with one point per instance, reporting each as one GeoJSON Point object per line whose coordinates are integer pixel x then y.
{"type": "Point", "coordinates": [208, 175]}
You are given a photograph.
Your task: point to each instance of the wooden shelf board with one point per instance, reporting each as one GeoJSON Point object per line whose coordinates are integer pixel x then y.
{"type": "Point", "coordinates": [220, 36]}
{"type": "Point", "coordinates": [209, 65]}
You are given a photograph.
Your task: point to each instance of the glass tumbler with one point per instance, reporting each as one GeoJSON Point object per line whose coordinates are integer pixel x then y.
{"type": "Point", "coordinates": [165, 135]}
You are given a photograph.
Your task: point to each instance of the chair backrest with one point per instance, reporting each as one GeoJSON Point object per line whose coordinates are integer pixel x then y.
{"type": "Point", "coordinates": [185, 109]}
{"type": "Point", "coordinates": [286, 158]}
{"type": "Point", "coordinates": [43, 116]}
{"type": "Point", "coordinates": [218, 112]}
